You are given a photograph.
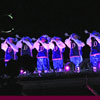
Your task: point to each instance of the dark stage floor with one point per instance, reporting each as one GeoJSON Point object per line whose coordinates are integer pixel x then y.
{"type": "Point", "coordinates": [66, 84]}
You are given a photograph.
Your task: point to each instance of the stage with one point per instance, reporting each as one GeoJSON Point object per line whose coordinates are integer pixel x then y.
{"type": "Point", "coordinates": [86, 83]}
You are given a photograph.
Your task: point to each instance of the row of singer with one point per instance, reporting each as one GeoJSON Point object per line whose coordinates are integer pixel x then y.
{"type": "Point", "coordinates": [45, 43]}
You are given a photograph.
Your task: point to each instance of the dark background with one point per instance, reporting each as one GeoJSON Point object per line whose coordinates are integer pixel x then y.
{"type": "Point", "coordinates": [52, 17]}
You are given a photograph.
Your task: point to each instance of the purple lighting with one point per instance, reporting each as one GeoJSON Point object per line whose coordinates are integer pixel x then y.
{"type": "Point", "coordinates": [24, 73]}
{"type": "Point", "coordinates": [67, 68]}
{"type": "Point", "coordinates": [94, 69]}
{"type": "Point", "coordinates": [99, 66]}
{"type": "Point", "coordinates": [21, 71]}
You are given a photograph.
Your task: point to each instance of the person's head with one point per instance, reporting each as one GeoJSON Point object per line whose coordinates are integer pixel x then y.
{"type": "Point", "coordinates": [57, 38]}
{"type": "Point", "coordinates": [95, 33]}
{"type": "Point", "coordinates": [27, 38]}
{"type": "Point", "coordinates": [75, 36]}
{"type": "Point", "coordinates": [10, 40]}
{"type": "Point", "coordinates": [43, 39]}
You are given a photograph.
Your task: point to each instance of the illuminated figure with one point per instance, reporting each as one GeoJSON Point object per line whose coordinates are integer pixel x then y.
{"type": "Point", "coordinates": [10, 49]}
{"type": "Point", "coordinates": [42, 47]}
{"type": "Point", "coordinates": [75, 46]}
{"type": "Point", "coordinates": [58, 48]}
{"type": "Point", "coordinates": [26, 46]}
{"type": "Point", "coordinates": [94, 42]}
